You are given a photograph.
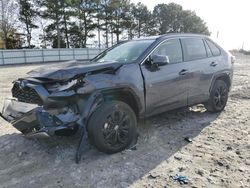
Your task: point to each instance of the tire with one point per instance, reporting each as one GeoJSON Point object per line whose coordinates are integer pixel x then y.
{"type": "Point", "coordinates": [218, 97]}
{"type": "Point", "coordinates": [112, 127]}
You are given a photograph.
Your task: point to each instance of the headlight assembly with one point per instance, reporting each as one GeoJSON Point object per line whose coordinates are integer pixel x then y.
{"type": "Point", "coordinates": [67, 86]}
{"type": "Point", "coordinates": [70, 85]}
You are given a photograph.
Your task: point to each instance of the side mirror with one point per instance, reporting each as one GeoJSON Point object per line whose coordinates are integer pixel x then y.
{"type": "Point", "coordinates": [160, 60]}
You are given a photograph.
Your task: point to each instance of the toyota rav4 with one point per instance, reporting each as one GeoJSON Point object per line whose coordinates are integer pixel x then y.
{"type": "Point", "coordinates": [134, 79]}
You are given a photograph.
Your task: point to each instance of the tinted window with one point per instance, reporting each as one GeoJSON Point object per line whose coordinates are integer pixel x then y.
{"type": "Point", "coordinates": [170, 48]}
{"type": "Point", "coordinates": [215, 50]}
{"type": "Point", "coordinates": [193, 49]}
{"type": "Point", "coordinates": [209, 53]}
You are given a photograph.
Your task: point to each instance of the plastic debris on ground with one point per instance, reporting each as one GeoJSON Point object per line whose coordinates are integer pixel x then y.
{"type": "Point", "coordinates": [181, 179]}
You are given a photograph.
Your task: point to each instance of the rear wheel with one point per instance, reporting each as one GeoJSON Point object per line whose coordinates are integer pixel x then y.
{"type": "Point", "coordinates": [112, 127]}
{"type": "Point", "coordinates": [218, 97]}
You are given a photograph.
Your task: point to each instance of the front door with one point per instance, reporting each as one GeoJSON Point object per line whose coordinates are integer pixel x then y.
{"type": "Point", "coordinates": [166, 87]}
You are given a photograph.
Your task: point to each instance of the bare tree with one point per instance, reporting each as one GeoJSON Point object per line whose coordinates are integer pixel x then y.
{"type": "Point", "coordinates": [42, 24]}
{"type": "Point", "coordinates": [28, 15]}
{"type": "Point", "coordinates": [8, 12]}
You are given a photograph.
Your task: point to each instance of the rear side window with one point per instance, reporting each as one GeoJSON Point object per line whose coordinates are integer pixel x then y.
{"type": "Point", "coordinates": [170, 48]}
{"type": "Point", "coordinates": [209, 52]}
{"type": "Point", "coordinates": [193, 49]}
{"type": "Point", "coordinates": [215, 50]}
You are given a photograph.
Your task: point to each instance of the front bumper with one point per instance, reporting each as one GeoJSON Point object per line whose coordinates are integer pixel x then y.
{"type": "Point", "coordinates": [32, 119]}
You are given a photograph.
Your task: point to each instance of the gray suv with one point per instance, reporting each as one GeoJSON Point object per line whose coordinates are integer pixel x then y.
{"type": "Point", "coordinates": [104, 98]}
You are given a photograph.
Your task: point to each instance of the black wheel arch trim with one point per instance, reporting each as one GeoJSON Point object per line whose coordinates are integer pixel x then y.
{"type": "Point", "coordinates": [92, 102]}
{"type": "Point", "coordinates": [125, 90]}
{"type": "Point", "coordinates": [217, 76]}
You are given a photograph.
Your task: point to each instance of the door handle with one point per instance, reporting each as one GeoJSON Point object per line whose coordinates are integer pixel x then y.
{"type": "Point", "coordinates": [213, 64]}
{"type": "Point", "coordinates": [183, 72]}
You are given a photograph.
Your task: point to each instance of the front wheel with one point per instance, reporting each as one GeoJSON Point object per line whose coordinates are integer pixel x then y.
{"type": "Point", "coordinates": [218, 97]}
{"type": "Point", "coordinates": [112, 127]}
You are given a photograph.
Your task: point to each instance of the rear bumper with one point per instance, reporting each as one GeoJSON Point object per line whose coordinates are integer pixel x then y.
{"type": "Point", "coordinates": [32, 119]}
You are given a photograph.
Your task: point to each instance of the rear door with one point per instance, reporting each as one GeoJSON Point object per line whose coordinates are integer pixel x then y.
{"type": "Point", "coordinates": [166, 87]}
{"type": "Point", "coordinates": [201, 65]}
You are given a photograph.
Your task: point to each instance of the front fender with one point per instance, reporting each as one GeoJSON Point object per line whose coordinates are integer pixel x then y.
{"type": "Point", "coordinates": [128, 78]}
{"type": "Point", "coordinates": [88, 105]}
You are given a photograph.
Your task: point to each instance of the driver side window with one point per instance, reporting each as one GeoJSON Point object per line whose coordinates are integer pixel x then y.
{"type": "Point", "coordinates": [170, 48]}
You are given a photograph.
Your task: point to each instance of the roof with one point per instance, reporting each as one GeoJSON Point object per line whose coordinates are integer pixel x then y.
{"type": "Point", "coordinates": [171, 35]}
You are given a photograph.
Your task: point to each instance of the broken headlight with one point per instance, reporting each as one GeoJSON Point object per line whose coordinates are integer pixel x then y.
{"type": "Point", "coordinates": [69, 85]}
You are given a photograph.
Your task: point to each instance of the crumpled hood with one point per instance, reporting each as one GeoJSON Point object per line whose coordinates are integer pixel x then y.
{"type": "Point", "coordinates": [67, 70]}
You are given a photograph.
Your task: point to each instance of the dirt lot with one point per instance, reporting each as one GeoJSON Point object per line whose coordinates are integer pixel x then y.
{"type": "Point", "coordinates": [219, 155]}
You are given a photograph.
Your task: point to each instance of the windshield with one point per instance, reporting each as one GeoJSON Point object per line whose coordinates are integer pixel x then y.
{"type": "Point", "coordinates": [126, 52]}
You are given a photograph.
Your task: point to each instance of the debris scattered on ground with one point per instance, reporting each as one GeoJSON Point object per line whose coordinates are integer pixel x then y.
{"type": "Point", "coordinates": [200, 172]}
{"type": "Point", "coordinates": [229, 148]}
{"type": "Point", "coordinates": [241, 169]}
{"type": "Point", "coordinates": [181, 169]}
{"type": "Point", "coordinates": [220, 163]}
{"type": "Point", "coordinates": [133, 147]}
{"type": "Point", "coordinates": [20, 154]}
{"type": "Point", "coordinates": [178, 158]}
{"type": "Point", "coordinates": [181, 179]}
{"type": "Point", "coordinates": [188, 139]}
{"type": "Point", "coordinates": [237, 152]}
{"type": "Point", "coordinates": [153, 176]}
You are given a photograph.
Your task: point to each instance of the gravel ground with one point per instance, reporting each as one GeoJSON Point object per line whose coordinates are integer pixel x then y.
{"type": "Point", "coordinates": [218, 156]}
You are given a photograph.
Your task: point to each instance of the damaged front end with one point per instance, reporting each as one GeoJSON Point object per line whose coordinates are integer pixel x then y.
{"type": "Point", "coordinates": [57, 102]}
{"type": "Point", "coordinates": [34, 120]}
{"type": "Point", "coordinates": [45, 108]}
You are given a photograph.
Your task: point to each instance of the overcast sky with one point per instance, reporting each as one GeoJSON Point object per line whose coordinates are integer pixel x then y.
{"type": "Point", "coordinates": [230, 18]}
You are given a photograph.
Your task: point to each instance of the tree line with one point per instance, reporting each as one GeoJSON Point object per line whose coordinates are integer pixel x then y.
{"type": "Point", "coordinates": [72, 23]}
